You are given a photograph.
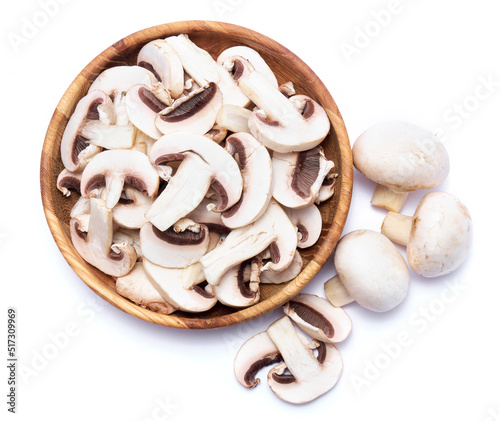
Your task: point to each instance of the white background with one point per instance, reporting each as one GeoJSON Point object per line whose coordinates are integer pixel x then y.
{"type": "Point", "coordinates": [80, 358]}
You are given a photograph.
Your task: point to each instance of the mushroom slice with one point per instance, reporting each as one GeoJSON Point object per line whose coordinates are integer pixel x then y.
{"type": "Point", "coordinates": [169, 283]}
{"type": "Point", "coordinates": [400, 157]}
{"type": "Point", "coordinates": [116, 169]}
{"type": "Point", "coordinates": [234, 118]}
{"type": "Point", "coordinates": [308, 222]}
{"type": "Point", "coordinates": [143, 142]}
{"type": "Point", "coordinates": [239, 286]}
{"type": "Point", "coordinates": [310, 376]}
{"type": "Point", "coordinates": [287, 89]}
{"type": "Point", "coordinates": [130, 209]}
{"type": "Point", "coordinates": [67, 181]}
{"type": "Point", "coordinates": [174, 248]}
{"type": "Point", "coordinates": [109, 136]}
{"type": "Point", "coordinates": [95, 246]}
{"type": "Point", "coordinates": [327, 188]}
{"type": "Point", "coordinates": [76, 151]}
{"type": "Point", "coordinates": [227, 182]}
{"type": "Point", "coordinates": [138, 288]}
{"type": "Point", "coordinates": [253, 57]}
{"type": "Point", "coordinates": [319, 318]}
{"type": "Point", "coordinates": [200, 65]}
{"type": "Point", "coordinates": [161, 59]}
{"type": "Point", "coordinates": [272, 229]}
{"type": "Point", "coordinates": [370, 270]}
{"type": "Point", "coordinates": [298, 176]}
{"type": "Point", "coordinates": [282, 124]}
{"type": "Point", "coordinates": [143, 105]}
{"type": "Point", "coordinates": [216, 133]}
{"type": "Point", "coordinates": [438, 237]}
{"type": "Point", "coordinates": [131, 236]}
{"type": "Point", "coordinates": [195, 112]}
{"type": "Point", "coordinates": [255, 166]}
{"type": "Point", "coordinates": [291, 272]}
{"type": "Point", "coordinates": [212, 220]}
{"type": "Point", "coordinates": [122, 78]}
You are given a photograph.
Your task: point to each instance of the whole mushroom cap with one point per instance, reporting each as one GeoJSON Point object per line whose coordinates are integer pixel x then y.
{"type": "Point", "coordinates": [401, 156]}
{"type": "Point", "coordinates": [372, 270]}
{"type": "Point", "coordinates": [441, 235]}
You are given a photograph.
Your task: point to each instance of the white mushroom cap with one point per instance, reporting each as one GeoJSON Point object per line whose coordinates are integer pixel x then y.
{"type": "Point", "coordinates": [319, 318]}
{"type": "Point", "coordinates": [67, 181]}
{"type": "Point", "coordinates": [402, 157]}
{"type": "Point", "coordinates": [438, 237]}
{"type": "Point", "coordinates": [161, 59]}
{"type": "Point", "coordinates": [122, 78]}
{"type": "Point", "coordinates": [370, 270]}
{"type": "Point", "coordinates": [138, 288]}
{"type": "Point", "coordinates": [309, 224]}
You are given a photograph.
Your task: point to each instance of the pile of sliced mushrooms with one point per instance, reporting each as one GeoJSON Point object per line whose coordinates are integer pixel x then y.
{"type": "Point", "coordinates": [199, 178]}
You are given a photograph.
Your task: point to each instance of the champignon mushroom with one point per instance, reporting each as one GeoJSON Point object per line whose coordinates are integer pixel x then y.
{"type": "Point", "coordinates": [67, 181]}
{"type": "Point", "coordinates": [195, 112]}
{"type": "Point", "coordinates": [130, 209]}
{"type": "Point", "coordinates": [116, 169]}
{"type": "Point", "coordinates": [298, 176]}
{"type": "Point", "coordinates": [95, 245]}
{"type": "Point", "coordinates": [272, 229]}
{"type": "Point", "coordinates": [234, 118]}
{"type": "Point", "coordinates": [143, 105]}
{"type": "Point", "coordinates": [370, 270]}
{"type": "Point", "coordinates": [161, 59]}
{"type": "Point", "coordinates": [200, 65]}
{"type": "Point", "coordinates": [216, 133]}
{"type": "Point", "coordinates": [169, 282]}
{"type": "Point", "coordinates": [438, 237]}
{"type": "Point", "coordinates": [327, 187]}
{"type": "Point", "coordinates": [310, 376]}
{"type": "Point", "coordinates": [122, 78]}
{"type": "Point", "coordinates": [212, 220]}
{"type": "Point", "coordinates": [318, 318]}
{"type": "Point", "coordinates": [138, 288]}
{"type": "Point", "coordinates": [400, 157]}
{"type": "Point", "coordinates": [285, 275]}
{"type": "Point", "coordinates": [177, 247]}
{"type": "Point", "coordinates": [131, 236]}
{"type": "Point", "coordinates": [256, 171]}
{"type": "Point", "coordinates": [76, 151]}
{"type": "Point", "coordinates": [308, 222]}
{"type": "Point", "coordinates": [253, 57]}
{"type": "Point", "coordinates": [239, 286]}
{"type": "Point", "coordinates": [282, 124]}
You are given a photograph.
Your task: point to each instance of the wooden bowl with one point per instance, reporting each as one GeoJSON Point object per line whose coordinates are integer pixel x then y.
{"type": "Point", "coordinates": [213, 37]}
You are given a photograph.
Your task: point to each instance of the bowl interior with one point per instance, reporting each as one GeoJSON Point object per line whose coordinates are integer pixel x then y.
{"type": "Point", "coordinates": [214, 37]}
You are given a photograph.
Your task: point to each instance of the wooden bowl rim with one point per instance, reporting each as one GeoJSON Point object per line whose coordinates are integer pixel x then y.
{"type": "Point", "coordinates": [243, 315]}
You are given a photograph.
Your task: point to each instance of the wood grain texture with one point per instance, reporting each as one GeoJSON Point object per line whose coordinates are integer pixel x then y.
{"type": "Point", "coordinates": [213, 37]}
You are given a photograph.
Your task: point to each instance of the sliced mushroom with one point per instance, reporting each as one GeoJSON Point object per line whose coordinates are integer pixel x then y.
{"type": "Point", "coordinates": [287, 89]}
{"type": "Point", "coordinates": [67, 181]}
{"type": "Point", "coordinates": [95, 246]}
{"type": "Point", "coordinates": [200, 65]}
{"type": "Point", "coordinates": [109, 136]}
{"type": "Point", "coordinates": [195, 112]}
{"type": "Point", "coordinates": [255, 166]}
{"type": "Point", "coordinates": [239, 286]}
{"type": "Point", "coordinates": [217, 133]}
{"type": "Point", "coordinates": [227, 182]}
{"type": "Point", "coordinates": [253, 57]}
{"type": "Point", "coordinates": [138, 288]}
{"type": "Point", "coordinates": [400, 157]}
{"type": "Point", "coordinates": [76, 151]}
{"type": "Point", "coordinates": [116, 170]}
{"type": "Point", "coordinates": [122, 78]}
{"type": "Point", "coordinates": [310, 376]}
{"type": "Point", "coordinates": [161, 59]}
{"type": "Point", "coordinates": [289, 273]}
{"type": "Point", "coordinates": [272, 229]}
{"type": "Point", "coordinates": [131, 236]}
{"type": "Point", "coordinates": [298, 176]}
{"type": "Point", "coordinates": [319, 318]}
{"type": "Point", "coordinates": [327, 187]}
{"type": "Point", "coordinates": [282, 124]}
{"type": "Point", "coordinates": [234, 118]}
{"type": "Point", "coordinates": [212, 220]}
{"type": "Point", "coordinates": [130, 209]}
{"type": "Point", "coordinates": [143, 143]}
{"type": "Point", "coordinates": [308, 222]}
{"type": "Point", "coordinates": [169, 283]}
{"type": "Point", "coordinates": [438, 237]}
{"type": "Point", "coordinates": [174, 248]}
{"type": "Point", "coordinates": [143, 105]}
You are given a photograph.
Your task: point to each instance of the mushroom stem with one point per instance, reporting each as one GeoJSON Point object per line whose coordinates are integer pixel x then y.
{"type": "Point", "coordinates": [337, 293]}
{"type": "Point", "coordinates": [397, 228]}
{"type": "Point", "coordinates": [109, 137]}
{"type": "Point", "coordinates": [384, 197]}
